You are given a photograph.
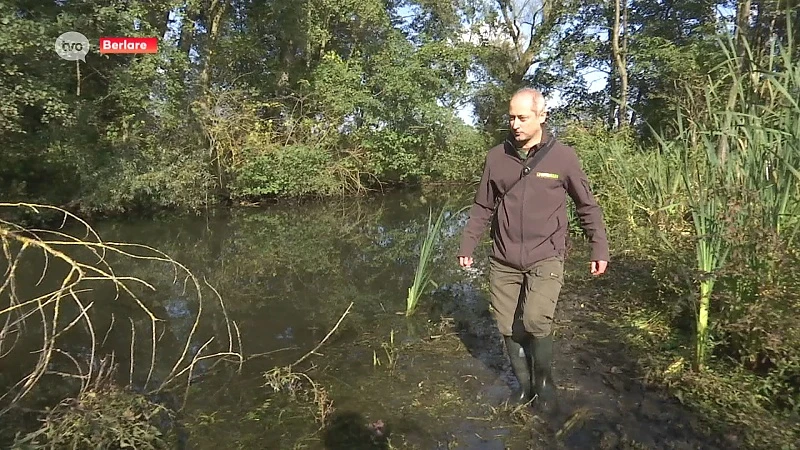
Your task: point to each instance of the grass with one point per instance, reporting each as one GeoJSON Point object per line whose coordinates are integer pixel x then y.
{"type": "Point", "coordinates": [737, 207]}
{"type": "Point", "coordinates": [422, 274]}
{"type": "Point", "coordinates": [104, 416]}
{"type": "Point", "coordinates": [754, 183]}
{"type": "Point", "coordinates": [391, 351]}
{"type": "Point", "coordinates": [723, 394]}
{"type": "Point", "coordinates": [737, 214]}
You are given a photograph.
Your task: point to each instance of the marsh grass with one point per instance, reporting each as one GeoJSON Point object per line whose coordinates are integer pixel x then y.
{"type": "Point", "coordinates": [423, 272]}
{"type": "Point", "coordinates": [753, 182]}
{"type": "Point", "coordinates": [638, 189]}
{"type": "Point", "coordinates": [294, 382]}
{"type": "Point", "coordinates": [391, 352]}
{"type": "Point", "coordinates": [300, 386]}
{"type": "Point", "coordinates": [103, 416]}
{"type": "Point", "coordinates": [715, 209]}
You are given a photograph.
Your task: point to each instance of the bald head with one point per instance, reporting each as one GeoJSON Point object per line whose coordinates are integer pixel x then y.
{"type": "Point", "coordinates": [526, 114]}
{"type": "Point", "coordinates": [530, 97]}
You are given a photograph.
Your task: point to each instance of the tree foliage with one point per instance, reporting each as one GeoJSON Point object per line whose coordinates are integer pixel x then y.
{"type": "Point", "coordinates": [373, 90]}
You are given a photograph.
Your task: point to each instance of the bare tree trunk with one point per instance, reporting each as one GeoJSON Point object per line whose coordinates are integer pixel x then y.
{"type": "Point", "coordinates": [158, 17]}
{"type": "Point", "coordinates": [638, 100]}
{"type": "Point", "coordinates": [217, 11]}
{"type": "Point", "coordinates": [186, 40]}
{"type": "Point", "coordinates": [619, 60]}
{"type": "Point", "coordinates": [540, 31]}
{"type": "Point", "coordinates": [612, 79]}
{"type": "Point", "coordinates": [742, 26]}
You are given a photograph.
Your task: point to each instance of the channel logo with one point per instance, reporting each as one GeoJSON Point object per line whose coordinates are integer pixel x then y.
{"type": "Point", "coordinates": [72, 46]}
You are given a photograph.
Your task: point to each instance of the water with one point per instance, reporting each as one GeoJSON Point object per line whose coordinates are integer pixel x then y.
{"type": "Point", "coordinates": [286, 274]}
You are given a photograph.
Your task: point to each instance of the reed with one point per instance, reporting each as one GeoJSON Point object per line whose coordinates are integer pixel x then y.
{"type": "Point", "coordinates": [422, 275]}
{"type": "Point", "coordinates": [740, 168]}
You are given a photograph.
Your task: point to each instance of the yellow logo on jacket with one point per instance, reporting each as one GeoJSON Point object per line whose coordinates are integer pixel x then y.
{"type": "Point", "coordinates": [552, 176]}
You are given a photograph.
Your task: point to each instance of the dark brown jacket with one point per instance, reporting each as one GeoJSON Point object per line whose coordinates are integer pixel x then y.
{"type": "Point", "coordinates": [531, 222]}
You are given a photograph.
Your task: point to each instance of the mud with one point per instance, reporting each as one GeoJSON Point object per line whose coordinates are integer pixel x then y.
{"type": "Point", "coordinates": [603, 402]}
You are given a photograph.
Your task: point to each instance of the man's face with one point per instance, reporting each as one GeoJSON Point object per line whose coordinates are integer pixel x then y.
{"type": "Point", "coordinates": [525, 118]}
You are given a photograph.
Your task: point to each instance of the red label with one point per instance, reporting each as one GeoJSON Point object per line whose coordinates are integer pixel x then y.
{"type": "Point", "coordinates": [128, 45]}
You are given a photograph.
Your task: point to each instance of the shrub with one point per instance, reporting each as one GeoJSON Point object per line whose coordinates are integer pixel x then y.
{"type": "Point", "coordinates": [290, 171]}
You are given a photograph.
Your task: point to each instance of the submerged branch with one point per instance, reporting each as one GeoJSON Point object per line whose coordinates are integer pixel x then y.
{"type": "Point", "coordinates": [64, 310]}
{"type": "Point", "coordinates": [330, 333]}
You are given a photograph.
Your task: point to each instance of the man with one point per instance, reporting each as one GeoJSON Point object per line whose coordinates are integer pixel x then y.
{"type": "Point", "coordinates": [529, 230]}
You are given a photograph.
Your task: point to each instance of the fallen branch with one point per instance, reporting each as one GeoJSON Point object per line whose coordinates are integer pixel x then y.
{"type": "Point", "coordinates": [324, 339]}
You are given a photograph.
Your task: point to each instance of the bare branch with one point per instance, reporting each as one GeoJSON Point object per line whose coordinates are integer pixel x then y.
{"type": "Point", "coordinates": [79, 276]}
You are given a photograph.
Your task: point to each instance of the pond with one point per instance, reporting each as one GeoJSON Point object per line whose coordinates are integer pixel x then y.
{"type": "Point", "coordinates": [334, 276]}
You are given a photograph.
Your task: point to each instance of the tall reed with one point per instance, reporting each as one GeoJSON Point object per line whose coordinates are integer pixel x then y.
{"type": "Point", "coordinates": [752, 184]}
{"type": "Point", "coordinates": [422, 275]}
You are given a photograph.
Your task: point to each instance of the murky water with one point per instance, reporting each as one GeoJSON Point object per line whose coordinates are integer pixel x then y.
{"type": "Point", "coordinates": [286, 274]}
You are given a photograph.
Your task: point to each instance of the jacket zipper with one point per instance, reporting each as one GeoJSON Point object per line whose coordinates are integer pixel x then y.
{"type": "Point", "coordinates": [521, 229]}
{"type": "Point", "coordinates": [522, 207]}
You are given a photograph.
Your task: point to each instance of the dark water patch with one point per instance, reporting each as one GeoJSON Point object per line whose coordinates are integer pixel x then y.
{"type": "Point", "coordinates": [436, 380]}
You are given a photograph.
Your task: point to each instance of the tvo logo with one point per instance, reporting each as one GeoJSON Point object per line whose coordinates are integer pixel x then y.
{"type": "Point", "coordinates": [72, 46]}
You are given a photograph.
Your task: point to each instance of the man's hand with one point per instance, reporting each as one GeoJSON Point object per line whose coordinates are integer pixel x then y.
{"type": "Point", "coordinates": [599, 267]}
{"type": "Point", "coordinates": [464, 261]}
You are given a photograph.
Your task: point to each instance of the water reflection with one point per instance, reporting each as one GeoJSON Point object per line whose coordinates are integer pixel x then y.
{"type": "Point", "coordinates": [286, 273]}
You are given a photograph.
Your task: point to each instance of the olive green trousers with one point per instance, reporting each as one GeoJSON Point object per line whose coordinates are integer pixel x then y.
{"type": "Point", "coordinates": [531, 294]}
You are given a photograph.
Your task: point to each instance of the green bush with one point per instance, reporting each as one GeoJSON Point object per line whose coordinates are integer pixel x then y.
{"type": "Point", "coordinates": [290, 171]}
{"type": "Point", "coordinates": [460, 157]}
{"type": "Point", "coordinates": [758, 323]}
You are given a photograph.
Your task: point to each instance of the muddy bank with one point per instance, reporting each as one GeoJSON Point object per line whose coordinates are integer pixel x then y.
{"type": "Point", "coordinates": [604, 403]}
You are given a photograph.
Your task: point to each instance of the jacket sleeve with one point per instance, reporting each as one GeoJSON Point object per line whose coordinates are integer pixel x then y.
{"type": "Point", "coordinates": [589, 212]}
{"type": "Point", "coordinates": [479, 214]}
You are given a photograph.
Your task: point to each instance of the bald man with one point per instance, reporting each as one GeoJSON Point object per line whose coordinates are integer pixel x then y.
{"type": "Point", "coordinates": [528, 212]}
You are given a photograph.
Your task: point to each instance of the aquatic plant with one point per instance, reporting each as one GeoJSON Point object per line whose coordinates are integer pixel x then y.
{"type": "Point", "coordinates": [286, 378]}
{"type": "Point", "coordinates": [391, 351]}
{"type": "Point", "coordinates": [103, 416]}
{"type": "Point", "coordinates": [422, 275]}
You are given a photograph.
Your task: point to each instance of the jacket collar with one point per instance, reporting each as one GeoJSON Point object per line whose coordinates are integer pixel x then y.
{"type": "Point", "coordinates": [510, 144]}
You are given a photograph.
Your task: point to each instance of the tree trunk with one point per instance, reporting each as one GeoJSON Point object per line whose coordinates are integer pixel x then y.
{"type": "Point", "coordinates": [186, 39]}
{"type": "Point", "coordinates": [619, 62]}
{"type": "Point", "coordinates": [158, 17]}
{"type": "Point", "coordinates": [612, 79]}
{"type": "Point", "coordinates": [512, 16]}
{"type": "Point", "coordinates": [217, 11]}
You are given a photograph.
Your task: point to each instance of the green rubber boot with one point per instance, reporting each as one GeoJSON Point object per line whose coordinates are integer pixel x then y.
{"type": "Point", "coordinates": [521, 366]}
{"type": "Point", "coordinates": [544, 389]}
